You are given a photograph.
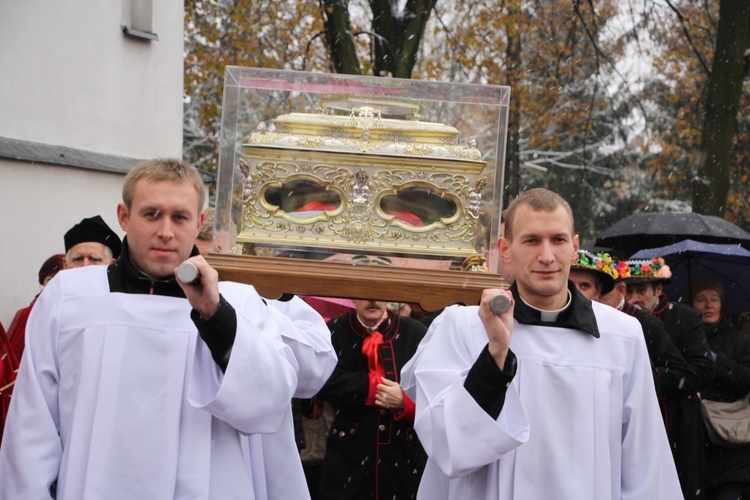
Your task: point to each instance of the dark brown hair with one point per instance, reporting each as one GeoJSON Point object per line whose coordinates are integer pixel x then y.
{"type": "Point", "coordinates": [700, 285]}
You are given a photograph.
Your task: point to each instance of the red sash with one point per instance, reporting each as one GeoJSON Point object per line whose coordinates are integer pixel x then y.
{"type": "Point", "coordinates": [370, 348]}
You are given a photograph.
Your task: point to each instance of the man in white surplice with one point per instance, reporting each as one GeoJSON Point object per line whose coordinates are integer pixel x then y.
{"type": "Point", "coordinates": [552, 399]}
{"type": "Point", "coordinates": [136, 385]}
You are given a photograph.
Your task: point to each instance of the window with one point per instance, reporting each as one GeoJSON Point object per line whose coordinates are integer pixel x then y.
{"type": "Point", "coordinates": [137, 18]}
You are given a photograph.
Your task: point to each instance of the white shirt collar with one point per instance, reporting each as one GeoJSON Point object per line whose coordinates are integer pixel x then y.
{"type": "Point", "coordinates": [372, 328]}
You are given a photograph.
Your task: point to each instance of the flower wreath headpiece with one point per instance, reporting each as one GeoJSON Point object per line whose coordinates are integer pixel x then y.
{"type": "Point", "coordinates": [601, 262]}
{"type": "Point", "coordinates": [649, 270]}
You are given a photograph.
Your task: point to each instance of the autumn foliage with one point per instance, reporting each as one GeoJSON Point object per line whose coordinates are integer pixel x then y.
{"type": "Point", "coordinates": [607, 101]}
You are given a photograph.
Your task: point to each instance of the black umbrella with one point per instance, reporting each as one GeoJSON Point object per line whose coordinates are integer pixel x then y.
{"type": "Point", "coordinates": [691, 260]}
{"type": "Point", "coordinates": [657, 229]}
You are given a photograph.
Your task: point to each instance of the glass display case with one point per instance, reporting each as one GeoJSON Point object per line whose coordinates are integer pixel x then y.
{"type": "Point", "coordinates": [317, 168]}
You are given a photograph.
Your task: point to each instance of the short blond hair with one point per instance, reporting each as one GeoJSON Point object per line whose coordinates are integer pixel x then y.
{"type": "Point", "coordinates": [539, 199]}
{"type": "Point", "coordinates": [163, 169]}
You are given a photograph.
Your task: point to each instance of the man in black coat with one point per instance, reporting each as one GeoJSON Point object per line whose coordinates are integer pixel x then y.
{"type": "Point", "coordinates": [373, 451]}
{"type": "Point", "coordinates": [601, 278]}
{"type": "Point", "coordinates": [683, 410]}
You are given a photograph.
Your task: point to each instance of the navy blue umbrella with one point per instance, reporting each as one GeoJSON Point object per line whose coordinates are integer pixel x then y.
{"type": "Point", "coordinates": [691, 260]}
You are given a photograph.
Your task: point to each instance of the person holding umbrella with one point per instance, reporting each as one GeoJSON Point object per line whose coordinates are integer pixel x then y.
{"type": "Point", "coordinates": [685, 329]}
{"type": "Point", "coordinates": [727, 468]}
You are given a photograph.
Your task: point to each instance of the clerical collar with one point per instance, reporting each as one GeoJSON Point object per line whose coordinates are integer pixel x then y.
{"type": "Point", "coordinates": [372, 328]}
{"type": "Point", "coordinates": [577, 314]}
{"type": "Point", "coordinates": [550, 316]}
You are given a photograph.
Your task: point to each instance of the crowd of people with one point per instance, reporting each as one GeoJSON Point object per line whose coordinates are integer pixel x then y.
{"type": "Point", "coordinates": [121, 381]}
{"type": "Point", "coordinates": [684, 352]}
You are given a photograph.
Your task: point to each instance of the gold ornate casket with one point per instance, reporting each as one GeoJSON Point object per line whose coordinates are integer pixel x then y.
{"type": "Point", "coordinates": [329, 166]}
{"type": "Point", "coordinates": [362, 174]}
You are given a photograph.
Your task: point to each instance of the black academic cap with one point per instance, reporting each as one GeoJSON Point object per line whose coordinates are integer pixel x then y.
{"type": "Point", "coordinates": [93, 229]}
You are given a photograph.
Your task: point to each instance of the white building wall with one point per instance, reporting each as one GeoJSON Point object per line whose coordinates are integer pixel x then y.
{"type": "Point", "coordinates": [70, 77]}
{"type": "Point", "coordinates": [39, 204]}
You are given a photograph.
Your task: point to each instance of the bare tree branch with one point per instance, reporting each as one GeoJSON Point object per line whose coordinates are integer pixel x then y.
{"type": "Point", "coordinates": [688, 37]}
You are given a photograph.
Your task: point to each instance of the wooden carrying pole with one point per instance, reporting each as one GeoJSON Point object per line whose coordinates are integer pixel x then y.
{"type": "Point", "coordinates": [274, 277]}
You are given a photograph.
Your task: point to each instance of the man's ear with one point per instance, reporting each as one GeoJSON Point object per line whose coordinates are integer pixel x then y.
{"type": "Point", "coordinates": [122, 216]}
{"type": "Point", "coordinates": [502, 248]}
{"type": "Point", "coordinates": [201, 218]}
{"type": "Point", "coordinates": [658, 288]}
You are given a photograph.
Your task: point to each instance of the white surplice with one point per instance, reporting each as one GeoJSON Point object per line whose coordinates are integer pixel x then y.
{"type": "Point", "coordinates": [580, 421]}
{"type": "Point", "coordinates": [118, 397]}
{"type": "Point", "coordinates": [308, 336]}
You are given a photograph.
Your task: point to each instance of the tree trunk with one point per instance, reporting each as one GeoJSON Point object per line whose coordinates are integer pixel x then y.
{"type": "Point", "coordinates": [397, 37]}
{"type": "Point", "coordinates": [417, 12]}
{"type": "Point", "coordinates": [385, 37]}
{"type": "Point", "coordinates": [514, 78]}
{"type": "Point", "coordinates": [711, 186]}
{"type": "Point", "coordinates": [339, 39]}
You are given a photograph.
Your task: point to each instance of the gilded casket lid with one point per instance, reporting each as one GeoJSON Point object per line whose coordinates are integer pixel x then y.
{"type": "Point", "coordinates": [374, 125]}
